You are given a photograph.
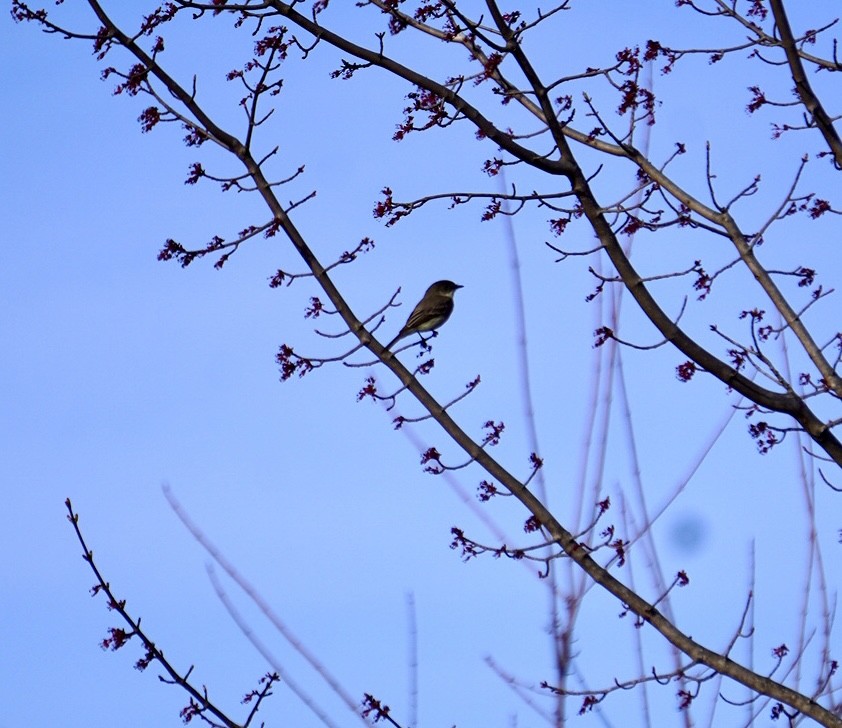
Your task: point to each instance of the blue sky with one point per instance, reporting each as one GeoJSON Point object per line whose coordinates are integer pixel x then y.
{"type": "Point", "coordinates": [122, 374]}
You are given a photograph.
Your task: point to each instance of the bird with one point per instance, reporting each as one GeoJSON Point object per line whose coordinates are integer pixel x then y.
{"type": "Point", "coordinates": [431, 312]}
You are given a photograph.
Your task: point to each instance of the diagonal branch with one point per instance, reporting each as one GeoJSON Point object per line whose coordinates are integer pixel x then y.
{"type": "Point", "coordinates": [802, 85]}
{"type": "Point", "coordinates": [646, 611]}
{"type": "Point", "coordinates": [200, 698]}
{"type": "Point", "coordinates": [502, 139]}
{"type": "Point", "coordinates": [783, 403]}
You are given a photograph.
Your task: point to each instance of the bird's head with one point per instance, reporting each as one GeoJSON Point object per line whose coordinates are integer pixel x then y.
{"type": "Point", "coordinates": [443, 288]}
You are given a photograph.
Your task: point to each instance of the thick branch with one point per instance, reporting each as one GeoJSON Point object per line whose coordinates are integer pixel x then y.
{"type": "Point", "coordinates": [514, 47]}
{"type": "Point", "coordinates": [642, 608]}
{"type": "Point", "coordinates": [786, 403]}
{"type": "Point", "coordinates": [802, 85]}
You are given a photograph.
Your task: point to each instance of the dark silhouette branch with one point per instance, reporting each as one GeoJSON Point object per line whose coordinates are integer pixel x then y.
{"type": "Point", "coordinates": [802, 84]}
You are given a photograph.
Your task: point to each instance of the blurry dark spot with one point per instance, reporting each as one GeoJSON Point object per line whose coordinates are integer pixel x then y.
{"type": "Point", "coordinates": [688, 533]}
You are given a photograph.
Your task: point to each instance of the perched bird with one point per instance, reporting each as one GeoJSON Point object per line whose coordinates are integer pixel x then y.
{"type": "Point", "coordinates": [431, 312]}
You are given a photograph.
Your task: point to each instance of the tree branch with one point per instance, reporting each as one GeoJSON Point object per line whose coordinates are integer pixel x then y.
{"type": "Point", "coordinates": [802, 85]}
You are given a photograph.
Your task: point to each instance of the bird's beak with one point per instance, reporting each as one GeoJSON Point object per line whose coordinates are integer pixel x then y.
{"type": "Point", "coordinates": [458, 286]}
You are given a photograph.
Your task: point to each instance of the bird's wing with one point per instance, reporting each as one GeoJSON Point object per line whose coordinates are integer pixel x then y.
{"type": "Point", "coordinates": [428, 312]}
